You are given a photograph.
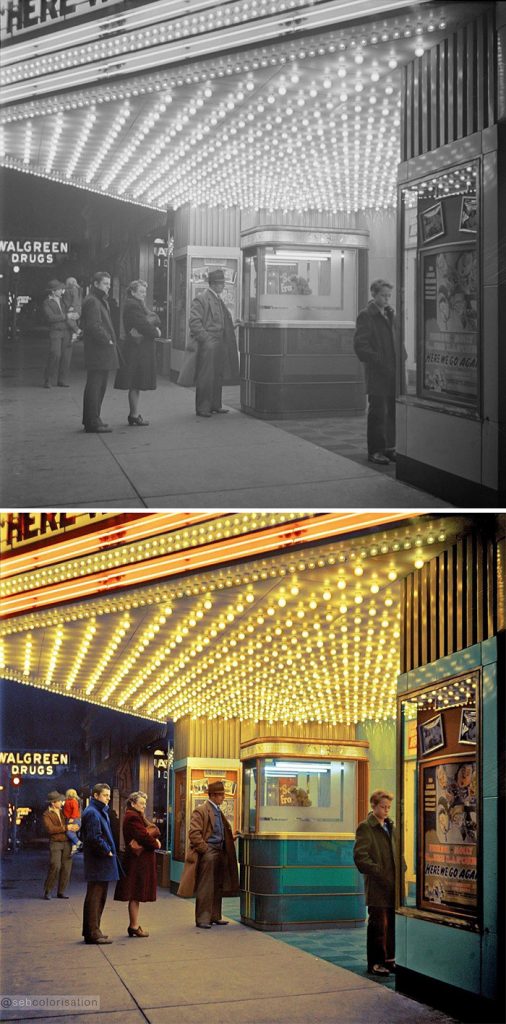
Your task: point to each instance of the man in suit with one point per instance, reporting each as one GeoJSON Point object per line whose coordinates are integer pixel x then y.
{"type": "Point", "coordinates": [375, 345]}
{"type": "Point", "coordinates": [60, 322]}
{"type": "Point", "coordinates": [100, 862]}
{"type": "Point", "coordinates": [100, 352]}
{"type": "Point", "coordinates": [212, 843]}
{"type": "Point", "coordinates": [374, 856]}
{"type": "Point", "coordinates": [212, 329]}
{"type": "Point", "coordinates": [60, 847]}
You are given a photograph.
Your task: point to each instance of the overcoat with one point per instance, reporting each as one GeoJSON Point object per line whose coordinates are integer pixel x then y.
{"type": "Point", "coordinates": [204, 326]}
{"type": "Point", "coordinates": [375, 345]}
{"type": "Point", "coordinates": [374, 855]}
{"type": "Point", "coordinates": [98, 842]}
{"type": "Point", "coordinates": [98, 332]}
{"type": "Point", "coordinates": [201, 827]}
{"type": "Point", "coordinates": [55, 316]}
{"type": "Point", "coordinates": [138, 355]}
{"type": "Point", "coordinates": [139, 881]}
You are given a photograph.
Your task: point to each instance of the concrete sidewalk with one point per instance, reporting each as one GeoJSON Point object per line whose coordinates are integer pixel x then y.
{"type": "Point", "coordinates": [180, 973]}
{"type": "Point", "coordinates": [179, 461]}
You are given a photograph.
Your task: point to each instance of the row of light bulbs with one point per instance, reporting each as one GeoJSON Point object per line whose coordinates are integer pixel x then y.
{"type": "Point", "coordinates": [133, 41]}
{"type": "Point", "coordinates": [211, 532]}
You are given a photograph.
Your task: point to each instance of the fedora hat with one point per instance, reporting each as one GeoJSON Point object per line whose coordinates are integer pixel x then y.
{"type": "Point", "coordinates": [54, 795]}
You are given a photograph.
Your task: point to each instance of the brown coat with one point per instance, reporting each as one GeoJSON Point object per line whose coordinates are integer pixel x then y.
{"type": "Point", "coordinates": [201, 827]}
{"type": "Point", "coordinates": [139, 880]}
{"type": "Point", "coordinates": [55, 825]}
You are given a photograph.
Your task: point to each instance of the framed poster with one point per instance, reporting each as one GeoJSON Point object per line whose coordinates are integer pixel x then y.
{"type": "Point", "coordinates": [448, 827]}
{"type": "Point", "coordinates": [468, 214]}
{"type": "Point", "coordinates": [449, 324]}
{"type": "Point", "coordinates": [468, 726]}
{"type": "Point", "coordinates": [431, 735]}
{"type": "Point", "coordinates": [432, 223]}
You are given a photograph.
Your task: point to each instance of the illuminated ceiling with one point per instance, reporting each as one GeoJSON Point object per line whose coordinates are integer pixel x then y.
{"type": "Point", "coordinates": [219, 131]}
{"type": "Point", "coordinates": [310, 634]}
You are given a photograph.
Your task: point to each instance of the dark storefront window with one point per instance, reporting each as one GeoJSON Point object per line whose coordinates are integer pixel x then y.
{"type": "Point", "coordinates": [440, 823]}
{"type": "Point", "coordinates": [441, 287]}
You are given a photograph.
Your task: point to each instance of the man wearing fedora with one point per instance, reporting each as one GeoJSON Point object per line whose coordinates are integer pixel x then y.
{"type": "Point", "coordinates": [60, 848]}
{"type": "Point", "coordinates": [211, 866]}
{"type": "Point", "coordinates": [213, 336]}
{"type": "Point", "coordinates": [62, 323]}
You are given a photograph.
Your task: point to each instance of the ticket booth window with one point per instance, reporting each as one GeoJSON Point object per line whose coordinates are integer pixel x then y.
{"type": "Point", "coordinates": [439, 736]}
{"type": "Point", "coordinates": [299, 796]}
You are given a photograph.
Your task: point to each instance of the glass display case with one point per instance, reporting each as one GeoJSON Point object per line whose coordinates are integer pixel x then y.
{"type": "Point", "coordinates": [191, 267]}
{"type": "Point", "coordinates": [440, 798]}
{"type": "Point", "coordinates": [191, 777]}
{"type": "Point", "coordinates": [300, 808]}
{"type": "Point", "coordinates": [440, 312]}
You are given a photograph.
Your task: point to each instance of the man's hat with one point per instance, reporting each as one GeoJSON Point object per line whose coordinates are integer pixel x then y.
{"type": "Point", "coordinates": [215, 787]}
{"type": "Point", "coordinates": [54, 284]}
{"type": "Point", "coordinates": [52, 797]}
{"type": "Point", "coordinates": [216, 275]}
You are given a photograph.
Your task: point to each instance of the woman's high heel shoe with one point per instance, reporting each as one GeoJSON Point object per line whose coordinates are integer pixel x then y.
{"type": "Point", "coordinates": [137, 421]}
{"type": "Point", "coordinates": [138, 933]}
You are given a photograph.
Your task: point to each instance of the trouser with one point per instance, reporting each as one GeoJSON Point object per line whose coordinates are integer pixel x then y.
{"type": "Point", "coordinates": [96, 384]}
{"type": "Point", "coordinates": [380, 935]}
{"type": "Point", "coordinates": [209, 375]}
{"type": "Point", "coordinates": [60, 865]}
{"type": "Point", "coordinates": [380, 423]}
{"type": "Point", "coordinates": [210, 873]}
{"type": "Point", "coordinates": [58, 361]}
{"type": "Point", "coordinates": [94, 903]}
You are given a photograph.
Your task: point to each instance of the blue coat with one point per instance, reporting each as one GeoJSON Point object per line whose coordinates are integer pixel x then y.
{"type": "Point", "coordinates": [98, 841]}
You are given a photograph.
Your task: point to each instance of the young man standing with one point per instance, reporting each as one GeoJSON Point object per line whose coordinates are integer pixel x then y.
{"type": "Point", "coordinates": [100, 862]}
{"type": "Point", "coordinates": [60, 848]}
{"type": "Point", "coordinates": [374, 856]}
{"type": "Point", "coordinates": [375, 345]}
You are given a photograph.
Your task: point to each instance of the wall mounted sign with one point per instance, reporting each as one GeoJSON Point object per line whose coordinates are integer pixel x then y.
{"type": "Point", "coordinates": [38, 251]}
{"type": "Point", "coordinates": [34, 762]}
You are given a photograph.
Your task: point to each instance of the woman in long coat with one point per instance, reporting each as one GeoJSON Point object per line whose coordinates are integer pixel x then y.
{"type": "Point", "coordinates": [139, 883]}
{"type": "Point", "coordinates": [138, 351]}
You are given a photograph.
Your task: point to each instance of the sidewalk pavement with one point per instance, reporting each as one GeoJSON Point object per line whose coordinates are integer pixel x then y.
{"type": "Point", "coordinates": [180, 460]}
{"type": "Point", "coordinates": [182, 974]}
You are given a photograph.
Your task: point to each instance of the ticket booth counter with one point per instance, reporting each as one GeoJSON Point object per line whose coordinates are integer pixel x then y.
{"type": "Point", "coordinates": [301, 293]}
{"type": "Point", "coordinates": [191, 778]}
{"type": "Point", "coordinates": [301, 803]}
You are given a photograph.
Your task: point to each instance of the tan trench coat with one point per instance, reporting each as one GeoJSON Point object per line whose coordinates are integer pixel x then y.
{"type": "Point", "coordinates": [201, 827]}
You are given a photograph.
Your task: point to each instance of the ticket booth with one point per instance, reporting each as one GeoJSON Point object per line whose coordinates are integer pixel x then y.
{"type": "Point", "coordinates": [301, 803]}
{"type": "Point", "coordinates": [301, 293]}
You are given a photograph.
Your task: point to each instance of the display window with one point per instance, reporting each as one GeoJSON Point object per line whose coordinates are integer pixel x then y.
{"type": "Point", "coordinates": [440, 799]}
{"type": "Point", "coordinates": [285, 284]}
{"type": "Point", "coordinates": [299, 796]}
{"type": "Point", "coordinates": [440, 308]}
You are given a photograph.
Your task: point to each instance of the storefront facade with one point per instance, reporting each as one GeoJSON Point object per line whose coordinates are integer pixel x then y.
{"type": "Point", "coordinates": [284, 647]}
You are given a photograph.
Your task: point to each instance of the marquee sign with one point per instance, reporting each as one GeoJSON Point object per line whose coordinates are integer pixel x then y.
{"type": "Point", "coordinates": [18, 17]}
{"type": "Point", "coordinates": [19, 528]}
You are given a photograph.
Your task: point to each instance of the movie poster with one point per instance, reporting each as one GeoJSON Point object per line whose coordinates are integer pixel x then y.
{"type": "Point", "coordinates": [450, 324]}
{"type": "Point", "coordinates": [449, 827]}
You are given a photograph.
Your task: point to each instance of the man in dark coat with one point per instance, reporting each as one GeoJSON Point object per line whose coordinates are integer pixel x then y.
{"type": "Point", "coordinates": [100, 352]}
{"type": "Point", "coordinates": [58, 318]}
{"type": "Point", "coordinates": [100, 862]}
{"type": "Point", "coordinates": [375, 345]}
{"type": "Point", "coordinates": [60, 847]}
{"type": "Point", "coordinates": [374, 856]}
{"type": "Point", "coordinates": [212, 862]}
{"type": "Point", "coordinates": [212, 330]}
